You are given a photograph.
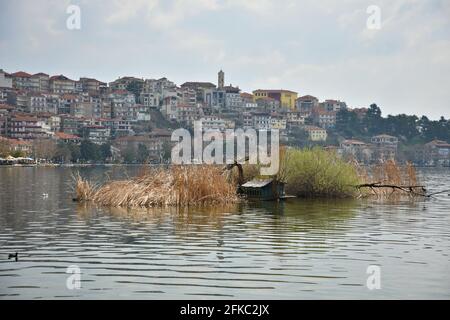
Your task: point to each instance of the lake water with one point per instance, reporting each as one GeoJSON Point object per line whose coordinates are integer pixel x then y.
{"type": "Point", "coordinates": [296, 249]}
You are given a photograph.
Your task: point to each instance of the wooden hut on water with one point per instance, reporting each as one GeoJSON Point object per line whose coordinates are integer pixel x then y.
{"type": "Point", "coordinates": [267, 189]}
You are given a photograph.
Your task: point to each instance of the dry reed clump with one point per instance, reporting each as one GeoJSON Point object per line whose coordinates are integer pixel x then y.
{"type": "Point", "coordinates": [198, 185]}
{"type": "Point", "coordinates": [84, 189]}
{"type": "Point", "coordinates": [390, 179]}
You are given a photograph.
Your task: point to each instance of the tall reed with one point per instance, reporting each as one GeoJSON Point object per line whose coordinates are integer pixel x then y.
{"type": "Point", "coordinates": [195, 185]}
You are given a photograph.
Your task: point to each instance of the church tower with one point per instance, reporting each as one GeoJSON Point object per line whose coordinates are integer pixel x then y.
{"type": "Point", "coordinates": [221, 79]}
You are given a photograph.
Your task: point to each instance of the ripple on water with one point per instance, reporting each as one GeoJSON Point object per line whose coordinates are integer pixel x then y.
{"type": "Point", "coordinates": [297, 249]}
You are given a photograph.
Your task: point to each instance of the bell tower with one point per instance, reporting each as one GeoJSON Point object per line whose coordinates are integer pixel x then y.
{"type": "Point", "coordinates": [221, 79]}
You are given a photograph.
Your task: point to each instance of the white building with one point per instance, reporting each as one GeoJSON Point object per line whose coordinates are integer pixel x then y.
{"type": "Point", "coordinates": [5, 79]}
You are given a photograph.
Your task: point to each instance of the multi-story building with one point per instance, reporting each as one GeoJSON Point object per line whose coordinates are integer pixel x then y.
{"type": "Point", "coordinates": [67, 103]}
{"type": "Point", "coordinates": [385, 140]}
{"type": "Point", "coordinates": [188, 97]}
{"type": "Point", "coordinates": [121, 127]}
{"type": "Point", "coordinates": [268, 104]}
{"type": "Point", "coordinates": [323, 118]}
{"type": "Point", "coordinates": [36, 102]}
{"type": "Point", "coordinates": [247, 120]}
{"type": "Point", "coordinates": [27, 127]}
{"type": "Point", "coordinates": [8, 96]}
{"type": "Point", "coordinates": [61, 84]}
{"type": "Point", "coordinates": [169, 108]}
{"type": "Point", "coordinates": [73, 125]}
{"type": "Point", "coordinates": [93, 86]}
{"type": "Point", "coordinates": [214, 98]}
{"type": "Point", "coordinates": [333, 105]}
{"type": "Point", "coordinates": [306, 104]}
{"type": "Point", "coordinates": [67, 138]}
{"type": "Point", "coordinates": [187, 114]}
{"type": "Point", "coordinates": [437, 152]}
{"type": "Point", "coordinates": [21, 80]}
{"type": "Point", "coordinates": [356, 149]}
{"type": "Point", "coordinates": [22, 100]}
{"type": "Point", "coordinates": [294, 119]}
{"type": "Point", "coordinates": [150, 99]}
{"type": "Point", "coordinates": [385, 147]}
{"type": "Point", "coordinates": [199, 88]}
{"type": "Point", "coordinates": [277, 122]}
{"type": "Point", "coordinates": [124, 82]}
{"type": "Point", "coordinates": [285, 97]}
{"type": "Point", "coordinates": [261, 121]}
{"type": "Point", "coordinates": [316, 133]}
{"type": "Point", "coordinates": [215, 123]}
{"type": "Point", "coordinates": [233, 99]}
{"type": "Point", "coordinates": [3, 121]}
{"type": "Point", "coordinates": [54, 122]}
{"type": "Point", "coordinates": [121, 102]}
{"type": "Point", "coordinates": [40, 82]}
{"type": "Point", "coordinates": [96, 134]}
{"type": "Point", "coordinates": [52, 101]}
{"type": "Point", "coordinates": [5, 79]}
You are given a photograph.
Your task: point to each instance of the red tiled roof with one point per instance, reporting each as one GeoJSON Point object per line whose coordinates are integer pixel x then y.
{"type": "Point", "coordinates": [24, 118]}
{"type": "Point", "coordinates": [21, 74]}
{"type": "Point", "coordinates": [65, 136]}
{"type": "Point", "coordinates": [439, 143]}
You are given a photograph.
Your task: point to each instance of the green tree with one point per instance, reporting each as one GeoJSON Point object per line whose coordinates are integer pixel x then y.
{"type": "Point", "coordinates": [142, 153]}
{"type": "Point", "coordinates": [105, 151]}
{"type": "Point", "coordinates": [18, 153]}
{"type": "Point", "coordinates": [5, 147]}
{"type": "Point", "coordinates": [348, 124]}
{"type": "Point", "coordinates": [166, 151]}
{"type": "Point", "coordinates": [373, 122]}
{"type": "Point", "coordinates": [63, 152]}
{"type": "Point", "coordinates": [298, 137]}
{"type": "Point", "coordinates": [89, 151]}
{"type": "Point", "coordinates": [75, 152]}
{"type": "Point", "coordinates": [129, 155]}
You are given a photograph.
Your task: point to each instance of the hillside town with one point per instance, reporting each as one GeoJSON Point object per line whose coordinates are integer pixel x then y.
{"type": "Point", "coordinates": [129, 120]}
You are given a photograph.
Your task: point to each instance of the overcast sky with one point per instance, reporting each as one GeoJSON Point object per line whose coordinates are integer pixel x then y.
{"type": "Point", "coordinates": [317, 47]}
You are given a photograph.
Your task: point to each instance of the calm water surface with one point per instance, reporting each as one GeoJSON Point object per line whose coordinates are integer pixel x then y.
{"type": "Point", "coordinates": [293, 250]}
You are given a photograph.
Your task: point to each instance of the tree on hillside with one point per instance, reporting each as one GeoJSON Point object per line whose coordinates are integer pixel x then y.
{"type": "Point", "coordinates": [348, 124]}
{"type": "Point", "coordinates": [298, 137]}
{"type": "Point", "coordinates": [373, 122]}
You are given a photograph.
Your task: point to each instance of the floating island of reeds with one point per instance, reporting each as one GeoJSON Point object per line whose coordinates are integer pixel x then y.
{"type": "Point", "coordinates": [312, 173]}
